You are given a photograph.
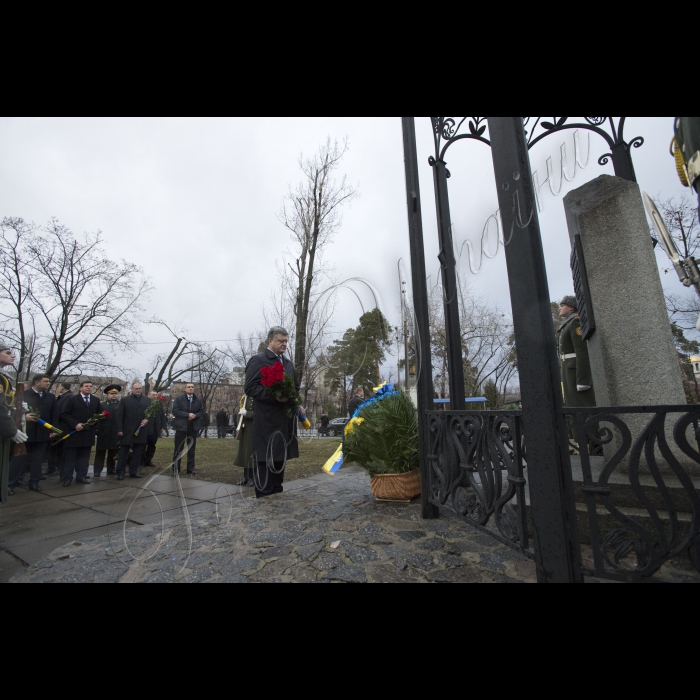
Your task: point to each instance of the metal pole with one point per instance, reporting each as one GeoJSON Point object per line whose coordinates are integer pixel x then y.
{"type": "Point", "coordinates": [420, 308]}
{"type": "Point", "coordinates": [549, 473]}
{"type": "Point", "coordinates": [455, 366]}
{"type": "Point", "coordinates": [623, 163]}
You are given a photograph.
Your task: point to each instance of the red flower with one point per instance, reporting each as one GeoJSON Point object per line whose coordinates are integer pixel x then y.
{"type": "Point", "coordinates": [106, 414]}
{"type": "Point", "coordinates": [272, 375]}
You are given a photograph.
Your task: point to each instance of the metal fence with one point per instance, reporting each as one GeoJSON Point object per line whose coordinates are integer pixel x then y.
{"type": "Point", "coordinates": [635, 471]}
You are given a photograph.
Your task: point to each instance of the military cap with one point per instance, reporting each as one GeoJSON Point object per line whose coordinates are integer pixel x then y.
{"type": "Point", "coordinates": [569, 301]}
{"type": "Point", "coordinates": [114, 387]}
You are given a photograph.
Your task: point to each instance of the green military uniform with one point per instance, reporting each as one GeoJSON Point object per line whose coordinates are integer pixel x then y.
{"type": "Point", "coordinates": [245, 437]}
{"type": "Point", "coordinates": [575, 365]}
{"type": "Point", "coordinates": [8, 430]}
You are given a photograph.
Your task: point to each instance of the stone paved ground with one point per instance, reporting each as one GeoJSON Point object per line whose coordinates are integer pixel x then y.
{"type": "Point", "coordinates": [319, 531]}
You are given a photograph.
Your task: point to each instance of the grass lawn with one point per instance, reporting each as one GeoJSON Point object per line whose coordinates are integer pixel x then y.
{"type": "Point", "coordinates": [215, 459]}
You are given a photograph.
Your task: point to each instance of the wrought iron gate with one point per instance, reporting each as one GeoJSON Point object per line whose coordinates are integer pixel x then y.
{"type": "Point", "coordinates": [512, 473]}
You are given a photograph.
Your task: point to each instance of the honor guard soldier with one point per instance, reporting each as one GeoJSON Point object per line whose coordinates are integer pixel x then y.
{"type": "Point", "coordinates": [9, 433]}
{"type": "Point", "coordinates": [107, 439]}
{"type": "Point", "coordinates": [245, 444]}
{"type": "Point", "coordinates": [686, 150]}
{"type": "Point", "coordinates": [573, 355]}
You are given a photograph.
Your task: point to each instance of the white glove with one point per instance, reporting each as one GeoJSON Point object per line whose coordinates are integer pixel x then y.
{"type": "Point", "coordinates": [583, 389]}
{"type": "Point", "coordinates": [20, 438]}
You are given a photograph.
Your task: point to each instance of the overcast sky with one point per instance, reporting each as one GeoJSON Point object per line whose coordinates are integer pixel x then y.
{"type": "Point", "coordinates": [194, 201]}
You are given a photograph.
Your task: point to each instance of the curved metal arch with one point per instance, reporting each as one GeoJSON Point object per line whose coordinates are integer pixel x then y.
{"type": "Point", "coordinates": [446, 130]}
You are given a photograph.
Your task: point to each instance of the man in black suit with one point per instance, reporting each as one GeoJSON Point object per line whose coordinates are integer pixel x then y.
{"type": "Point", "coordinates": [56, 454]}
{"type": "Point", "coordinates": [221, 424]}
{"type": "Point", "coordinates": [75, 412]}
{"type": "Point", "coordinates": [274, 434]}
{"type": "Point", "coordinates": [131, 415]}
{"type": "Point", "coordinates": [41, 403]}
{"type": "Point", "coordinates": [188, 412]}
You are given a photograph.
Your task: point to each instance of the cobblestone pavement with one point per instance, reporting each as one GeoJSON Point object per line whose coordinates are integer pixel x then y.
{"type": "Point", "coordinates": [319, 531]}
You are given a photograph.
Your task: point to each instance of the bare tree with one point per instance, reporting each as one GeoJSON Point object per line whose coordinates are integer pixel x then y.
{"type": "Point", "coordinates": [17, 321]}
{"type": "Point", "coordinates": [211, 370]}
{"type": "Point", "coordinates": [311, 212]}
{"type": "Point", "coordinates": [79, 308]}
{"type": "Point", "coordinates": [184, 358]}
{"type": "Point", "coordinates": [681, 217]}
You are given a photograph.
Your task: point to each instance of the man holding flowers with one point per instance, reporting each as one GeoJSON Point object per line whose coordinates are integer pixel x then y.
{"type": "Point", "coordinates": [131, 430]}
{"type": "Point", "coordinates": [79, 413]}
{"type": "Point", "coordinates": [271, 383]}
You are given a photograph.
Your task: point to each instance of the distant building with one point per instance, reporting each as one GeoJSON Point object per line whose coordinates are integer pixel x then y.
{"type": "Point", "coordinates": [695, 361]}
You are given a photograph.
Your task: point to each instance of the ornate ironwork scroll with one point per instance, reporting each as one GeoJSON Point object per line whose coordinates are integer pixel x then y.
{"type": "Point", "coordinates": [449, 130]}
{"type": "Point", "coordinates": [642, 504]}
{"type": "Point", "coordinates": [477, 467]}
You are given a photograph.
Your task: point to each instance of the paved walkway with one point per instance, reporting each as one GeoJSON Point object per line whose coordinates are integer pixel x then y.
{"type": "Point", "coordinates": [323, 529]}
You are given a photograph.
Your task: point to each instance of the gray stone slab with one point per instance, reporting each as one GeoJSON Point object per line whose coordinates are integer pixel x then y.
{"type": "Point", "coordinates": [35, 508]}
{"type": "Point", "coordinates": [10, 566]}
{"type": "Point", "coordinates": [34, 552]}
{"type": "Point", "coordinates": [633, 331]}
{"type": "Point", "coordinates": [35, 529]}
{"type": "Point", "coordinates": [145, 505]}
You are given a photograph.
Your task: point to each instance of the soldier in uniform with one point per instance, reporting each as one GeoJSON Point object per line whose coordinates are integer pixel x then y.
{"type": "Point", "coordinates": [573, 354]}
{"type": "Point", "coordinates": [686, 149]}
{"type": "Point", "coordinates": [107, 438]}
{"type": "Point", "coordinates": [245, 444]}
{"type": "Point", "coordinates": [9, 433]}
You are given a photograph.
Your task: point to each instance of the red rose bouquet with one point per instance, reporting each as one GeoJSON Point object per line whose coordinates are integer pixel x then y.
{"type": "Point", "coordinates": [281, 386]}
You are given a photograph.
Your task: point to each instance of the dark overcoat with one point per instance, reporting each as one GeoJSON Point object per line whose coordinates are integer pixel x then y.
{"type": "Point", "coordinates": [181, 413]}
{"type": "Point", "coordinates": [245, 436]}
{"type": "Point", "coordinates": [130, 414]}
{"type": "Point", "coordinates": [274, 435]}
{"type": "Point", "coordinates": [63, 397]}
{"type": "Point", "coordinates": [74, 411]}
{"type": "Point", "coordinates": [107, 438]}
{"type": "Point", "coordinates": [48, 411]}
{"type": "Point", "coordinates": [575, 365]}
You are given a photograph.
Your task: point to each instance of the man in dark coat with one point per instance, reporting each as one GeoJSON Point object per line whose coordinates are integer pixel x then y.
{"type": "Point", "coordinates": [56, 454]}
{"type": "Point", "coordinates": [41, 402]}
{"type": "Point", "coordinates": [156, 425]}
{"type": "Point", "coordinates": [357, 401]}
{"type": "Point", "coordinates": [188, 412]}
{"type": "Point", "coordinates": [221, 424]}
{"type": "Point", "coordinates": [274, 434]}
{"type": "Point", "coordinates": [9, 433]}
{"type": "Point", "coordinates": [131, 415]}
{"type": "Point", "coordinates": [75, 412]}
{"type": "Point", "coordinates": [107, 438]}
{"type": "Point", "coordinates": [573, 355]}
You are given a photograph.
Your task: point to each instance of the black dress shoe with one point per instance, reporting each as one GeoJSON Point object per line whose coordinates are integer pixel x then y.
{"type": "Point", "coordinates": [35, 487]}
{"type": "Point", "coordinates": [250, 484]}
{"type": "Point", "coordinates": [120, 477]}
{"type": "Point", "coordinates": [67, 483]}
{"type": "Point", "coordinates": [84, 482]}
{"type": "Point", "coordinates": [135, 476]}
{"type": "Point", "coordinates": [242, 482]}
{"type": "Point", "coordinates": [50, 472]}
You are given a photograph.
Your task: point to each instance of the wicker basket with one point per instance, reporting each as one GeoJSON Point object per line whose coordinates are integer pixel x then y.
{"type": "Point", "coordinates": [397, 487]}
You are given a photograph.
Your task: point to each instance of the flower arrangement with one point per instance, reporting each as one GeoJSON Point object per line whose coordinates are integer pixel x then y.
{"type": "Point", "coordinates": [383, 435]}
{"type": "Point", "coordinates": [281, 386]}
{"type": "Point", "coordinates": [89, 424]}
{"type": "Point", "coordinates": [153, 410]}
{"type": "Point", "coordinates": [37, 419]}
